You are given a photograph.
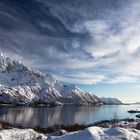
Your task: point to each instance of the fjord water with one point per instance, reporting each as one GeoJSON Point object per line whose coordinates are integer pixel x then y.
{"type": "Point", "coordinates": [49, 116]}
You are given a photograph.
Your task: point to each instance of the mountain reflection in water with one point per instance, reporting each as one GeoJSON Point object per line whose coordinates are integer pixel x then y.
{"type": "Point", "coordinates": [48, 116]}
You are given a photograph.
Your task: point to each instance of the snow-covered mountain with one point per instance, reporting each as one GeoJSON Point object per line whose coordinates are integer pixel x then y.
{"type": "Point", "coordinates": [111, 101]}
{"type": "Point", "coordinates": [21, 85]}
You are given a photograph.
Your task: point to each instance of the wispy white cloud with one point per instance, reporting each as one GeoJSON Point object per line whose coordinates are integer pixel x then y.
{"type": "Point", "coordinates": [81, 77]}
{"type": "Point", "coordinates": [116, 48]}
{"type": "Point", "coordinates": [123, 79]}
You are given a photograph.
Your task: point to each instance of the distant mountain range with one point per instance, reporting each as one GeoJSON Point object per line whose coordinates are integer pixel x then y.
{"type": "Point", "coordinates": [111, 101]}
{"type": "Point", "coordinates": [21, 85]}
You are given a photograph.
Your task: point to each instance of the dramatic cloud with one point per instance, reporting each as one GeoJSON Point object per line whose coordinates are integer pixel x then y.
{"type": "Point", "coordinates": [77, 41]}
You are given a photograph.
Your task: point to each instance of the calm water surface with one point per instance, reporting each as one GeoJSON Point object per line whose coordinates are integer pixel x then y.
{"type": "Point", "coordinates": [48, 116]}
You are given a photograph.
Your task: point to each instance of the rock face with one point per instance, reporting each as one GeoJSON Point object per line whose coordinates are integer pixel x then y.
{"type": "Point", "coordinates": [111, 101]}
{"type": "Point", "coordinates": [21, 85]}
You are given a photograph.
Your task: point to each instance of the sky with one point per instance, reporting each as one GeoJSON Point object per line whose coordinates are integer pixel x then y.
{"type": "Point", "coordinates": [94, 44]}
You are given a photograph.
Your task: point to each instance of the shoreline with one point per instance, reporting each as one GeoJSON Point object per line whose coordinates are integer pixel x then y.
{"type": "Point", "coordinates": [50, 105]}
{"type": "Point", "coordinates": [71, 127]}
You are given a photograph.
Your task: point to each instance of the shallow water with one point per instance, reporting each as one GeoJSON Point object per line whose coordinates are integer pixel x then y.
{"type": "Point", "coordinates": [48, 116]}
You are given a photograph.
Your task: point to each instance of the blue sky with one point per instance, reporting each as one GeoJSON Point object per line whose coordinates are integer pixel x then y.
{"type": "Point", "coordinates": [128, 93]}
{"type": "Point", "coordinates": [94, 44]}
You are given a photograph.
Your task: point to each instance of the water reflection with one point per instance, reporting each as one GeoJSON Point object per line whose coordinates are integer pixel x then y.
{"type": "Point", "coordinates": [46, 116]}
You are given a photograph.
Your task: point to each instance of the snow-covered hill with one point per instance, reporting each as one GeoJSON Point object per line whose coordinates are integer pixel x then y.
{"type": "Point", "coordinates": [91, 133]}
{"type": "Point", "coordinates": [98, 133]}
{"type": "Point", "coordinates": [111, 101]}
{"type": "Point", "coordinates": [21, 85]}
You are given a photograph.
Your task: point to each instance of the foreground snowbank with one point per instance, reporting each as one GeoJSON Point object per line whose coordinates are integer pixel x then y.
{"type": "Point", "coordinates": [91, 133]}
{"type": "Point", "coordinates": [21, 134]}
{"type": "Point", "coordinates": [97, 133]}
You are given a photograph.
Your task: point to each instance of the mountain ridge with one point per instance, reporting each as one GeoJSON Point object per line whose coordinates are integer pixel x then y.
{"type": "Point", "coordinates": [21, 85]}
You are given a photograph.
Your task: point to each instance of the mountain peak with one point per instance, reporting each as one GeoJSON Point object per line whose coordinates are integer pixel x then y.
{"type": "Point", "coordinates": [2, 56]}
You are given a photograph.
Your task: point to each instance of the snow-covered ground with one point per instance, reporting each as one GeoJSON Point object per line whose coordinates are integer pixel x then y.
{"type": "Point", "coordinates": [98, 133]}
{"type": "Point", "coordinates": [21, 134]}
{"type": "Point", "coordinates": [91, 133]}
